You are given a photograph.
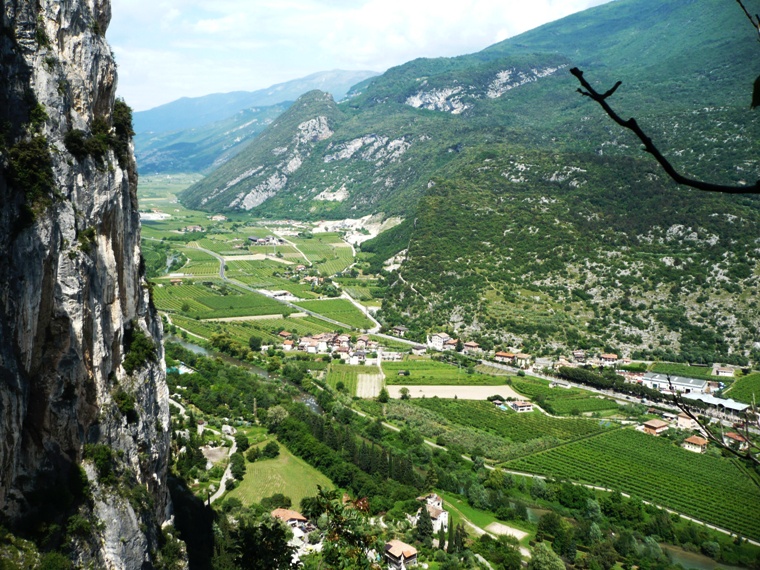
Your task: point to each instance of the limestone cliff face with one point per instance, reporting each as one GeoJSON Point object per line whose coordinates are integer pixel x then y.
{"type": "Point", "coordinates": [73, 302]}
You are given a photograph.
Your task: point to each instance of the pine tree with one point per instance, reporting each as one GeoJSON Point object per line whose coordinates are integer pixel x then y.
{"type": "Point", "coordinates": [452, 547]}
{"type": "Point", "coordinates": [424, 529]}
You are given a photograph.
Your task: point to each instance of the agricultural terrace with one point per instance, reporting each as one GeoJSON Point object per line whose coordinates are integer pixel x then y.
{"type": "Point", "coordinates": [286, 474]}
{"type": "Point", "coordinates": [240, 331]}
{"type": "Point", "coordinates": [210, 299]}
{"type": "Point", "coordinates": [745, 389]}
{"type": "Point", "coordinates": [424, 371]}
{"type": "Point", "coordinates": [559, 400]}
{"type": "Point", "coordinates": [507, 423]}
{"type": "Point", "coordinates": [199, 263]}
{"type": "Point", "coordinates": [340, 310]}
{"type": "Point", "coordinates": [711, 489]}
{"type": "Point", "coordinates": [327, 251]}
{"type": "Point", "coordinates": [701, 372]}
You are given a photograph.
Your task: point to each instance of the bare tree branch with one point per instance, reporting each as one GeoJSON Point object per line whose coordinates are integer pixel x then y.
{"type": "Point", "coordinates": [649, 146]}
{"type": "Point", "coordinates": [744, 456]}
{"type": "Point", "coordinates": [754, 21]}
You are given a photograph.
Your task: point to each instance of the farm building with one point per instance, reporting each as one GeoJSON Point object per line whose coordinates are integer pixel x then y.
{"type": "Point", "coordinates": [725, 406]}
{"type": "Point", "coordinates": [506, 357]}
{"type": "Point", "coordinates": [400, 555]}
{"type": "Point", "coordinates": [686, 422]}
{"type": "Point", "coordinates": [655, 427]}
{"type": "Point", "coordinates": [735, 441]}
{"type": "Point", "coordinates": [522, 407]}
{"type": "Point", "coordinates": [292, 518]}
{"type": "Point", "coordinates": [695, 443]}
{"type": "Point", "coordinates": [438, 340]}
{"type": "Point", "coordinates": [661, 382]}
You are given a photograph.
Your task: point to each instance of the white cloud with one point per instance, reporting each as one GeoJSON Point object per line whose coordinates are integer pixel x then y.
{"type": "Point", "coordinates": [172, 48]}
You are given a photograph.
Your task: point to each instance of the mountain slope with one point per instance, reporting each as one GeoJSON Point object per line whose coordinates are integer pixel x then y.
{"type": "Point", "coordinates": [532, 220]}
{"type": "Point", "coordinates": [206, 147]}
{"type": "Point", "coordinates": [187, 113]}
{"type": "Point", "coordinates": [675, 59]}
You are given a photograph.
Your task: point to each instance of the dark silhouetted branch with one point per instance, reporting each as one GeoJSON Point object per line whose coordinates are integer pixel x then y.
{"type": "Point", "coordinates": [754, 21]}
{"type": "Point", "coordinates": [649, 146]}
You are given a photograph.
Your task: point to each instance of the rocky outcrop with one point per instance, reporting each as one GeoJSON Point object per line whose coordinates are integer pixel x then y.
{"type": "Point", "coordinates": [82, 383]}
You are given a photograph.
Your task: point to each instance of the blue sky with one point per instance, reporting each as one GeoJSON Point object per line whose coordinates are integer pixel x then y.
{"type": "Point", "coordinates": [167, 49]}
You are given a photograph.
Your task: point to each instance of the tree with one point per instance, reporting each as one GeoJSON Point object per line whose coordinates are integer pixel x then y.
{"type": "Point", "coordinates": [348, 537]}
{"type": "Point", "coordinates": [404, 393]}
{"type": "Point", "coordinates": [271, 450]}
{"type": "Point", "coordinates": [275, 416]}
{"type": "Point", "coordinates": [544, 558]}
{"type": "Point", "coordinates": [255, 343]}
{"type": "Point", "coordinates": [241, 440]}
{"type": "Point", "coordinates": [423, 532]}
{"type": "Point", "coordinates": [383, 397]}
{"type": "Point", "coordinates": [261, 544]}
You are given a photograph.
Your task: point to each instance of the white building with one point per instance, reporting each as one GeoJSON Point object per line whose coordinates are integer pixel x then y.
{"type": "Point", "coordinates": [661, 382]}
{"type": "Point", "coordinates": [438, 340]}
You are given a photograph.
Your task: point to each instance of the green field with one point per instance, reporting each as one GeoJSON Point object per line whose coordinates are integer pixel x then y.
{"type": "Point", "coordinates": [340, 310]}
{"type": "Point", "coordinates": [509, 424]}
{"type": "Point", "coordinates": [214, 300]}
{"type": "Point", "coordinates": [427, 372]}
{"type": "Point", "coordinates": [286, 474]}
{"type": "Point", "coordinates": [708, 488]}
{"type": "Point", "coordinates": [746, 389]}
{"type": "Point", "coordinates": [347, 374]}
{"type": "Point", "coordinates": [701, 372]}
{"type": "Point", "coordinates": [560, 400]}
{"type": "Point", "coordinates": [327, 251]}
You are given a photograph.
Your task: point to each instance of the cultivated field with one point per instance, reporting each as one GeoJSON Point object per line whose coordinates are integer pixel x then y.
{"type": "Point", "coordinates": [450, 392]}
{"type": "Point", "coordinates": [369, 385]}
{"type": "Point", "coordinates": [424, 371]}
{"type": "Point", "coordinates": [746, 389]}
{"type": "Point", "coordinates": [340, 310]}
{"type": "Point", "coordinates": [708, 488]}
{"type": "Point", "coordinates": [559, 400]}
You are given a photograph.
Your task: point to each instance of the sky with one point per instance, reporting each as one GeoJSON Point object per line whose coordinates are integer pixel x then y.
{"type": "Point", "coordinates": [167, 49]}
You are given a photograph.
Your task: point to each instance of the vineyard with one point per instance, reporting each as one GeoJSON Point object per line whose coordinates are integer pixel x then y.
{"type": "Point", "coordinates": [508, 424]}
{"type": "Point", "coordinates": [559, 400]}
{"type": "Point", "coordinates": [239, 331]}
{"type": "Point", "coordinates": [427, 372]}
{"type": "Point", "coordinates": [328, 252]}
{"type": "Point", "coordinates": [340, 310]}
{"type": "Point", "coordinates": [701, 372]}
{"type": "Point", "coordinates": [206, 302]}
{"type": "Point", "coordinates": [746, 389]}
{"type": "Point", "coordinates": [708, 488]}
{"type": "Point", "coordinates": [349, 375]}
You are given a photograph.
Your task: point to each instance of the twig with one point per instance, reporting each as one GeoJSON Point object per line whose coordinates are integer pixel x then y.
{"type": "Point", "coordinates": [649, 146]}
{"type": "Point", "coordinates": [754, 21]}
{"type": "Point", "coordinates": [747, 456]}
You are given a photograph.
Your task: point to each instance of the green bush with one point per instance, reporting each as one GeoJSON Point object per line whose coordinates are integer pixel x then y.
{"type": "Point", "coordinates": [102, 457]}
{"type": "Point", "coordinates": [139, 350]}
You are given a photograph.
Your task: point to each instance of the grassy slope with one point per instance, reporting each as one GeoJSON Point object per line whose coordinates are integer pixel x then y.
{"type": "Point", "coordinates": [286, 474]}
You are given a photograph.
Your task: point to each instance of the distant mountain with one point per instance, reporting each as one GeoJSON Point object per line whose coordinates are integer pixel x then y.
{"type": "Point", "coordinates": [203, 148]}
{"type": "Point", "coordinates": [531, 219]}
{"type": "Point", "coordinates": [187, 113]}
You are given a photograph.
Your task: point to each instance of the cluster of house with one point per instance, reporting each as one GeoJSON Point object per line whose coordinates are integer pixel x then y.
{"type": "Point", "coordinates": [326, 343]}
{"type": "Point", "coordinates": [580, 358]}
{"type": "Point", "coordinates": [397, 554]}
{"type": "Point", "coordinates": [695, 443]}
{"type": "Point", "coordinates": [269, 240]}
{"type": "Point", "coordinates": [400, 555]}
{"type": "Point", "coordinates": [189, 229]}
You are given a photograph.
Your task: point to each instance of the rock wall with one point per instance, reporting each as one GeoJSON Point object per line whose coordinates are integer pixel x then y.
{"type": "Point", "coordinates": [73, 297]}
